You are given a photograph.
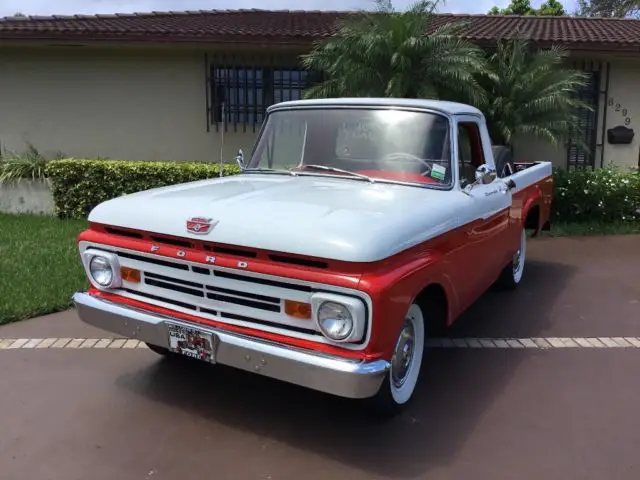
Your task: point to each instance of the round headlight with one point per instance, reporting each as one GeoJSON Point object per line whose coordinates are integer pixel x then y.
{"type": "Point", "coordinates": [335, 320]}
{"type": "Point", "coordinates": [101, 271]}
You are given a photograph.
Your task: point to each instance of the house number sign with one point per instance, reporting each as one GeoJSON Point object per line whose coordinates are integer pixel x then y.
{"type": "Point", "coordinates": [619, 108]}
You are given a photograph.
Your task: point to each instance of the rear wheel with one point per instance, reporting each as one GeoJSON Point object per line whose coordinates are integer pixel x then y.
{"type": "Point", "coordinates": [511, 275]}
{"type": "Point", "coordinates": [400, 382]}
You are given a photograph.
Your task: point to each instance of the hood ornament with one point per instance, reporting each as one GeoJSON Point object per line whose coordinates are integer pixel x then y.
{"type": "Point", "coordinates": [200, 225]}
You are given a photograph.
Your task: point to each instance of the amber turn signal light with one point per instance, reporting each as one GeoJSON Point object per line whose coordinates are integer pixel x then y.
{"type": "Point", "coordinates": [130, 274]}
{"type": "Point", "coordinates": [297, 309]}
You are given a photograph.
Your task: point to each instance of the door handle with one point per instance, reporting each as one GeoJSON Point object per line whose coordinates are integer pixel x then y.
{"type": "Point", "coordinates": [488, 227]}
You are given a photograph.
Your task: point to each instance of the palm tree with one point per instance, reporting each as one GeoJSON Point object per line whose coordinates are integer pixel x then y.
{"type": "Point", "coordinates": [529, 92]}
{"type": "Point", "coordinates": [386, 53]}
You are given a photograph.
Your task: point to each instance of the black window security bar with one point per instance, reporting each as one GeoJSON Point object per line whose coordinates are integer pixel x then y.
{"type": "Point", "coordinates": [587, 134]}
{"type": "Point", "coordinates": [246, 91]}
{"type": "Point", "coordinates": [242, 91]}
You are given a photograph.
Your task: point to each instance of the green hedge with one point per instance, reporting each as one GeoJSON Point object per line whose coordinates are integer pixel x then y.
{"type": "Point", "coordinates": [79, 185]}
{"type": "Point", "coordinates": [604, 195]}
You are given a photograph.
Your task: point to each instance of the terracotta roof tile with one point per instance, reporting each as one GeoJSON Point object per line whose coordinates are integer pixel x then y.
{"type": "Point", "coordinates": [288, 26]}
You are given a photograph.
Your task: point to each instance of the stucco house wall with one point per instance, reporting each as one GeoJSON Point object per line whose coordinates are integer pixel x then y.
{"type": "Point", "coordinates": [618, 104]}
{"type": "Point", "coordinates": [115, 103]}
{"type": "Point", "coordinates": [136, 104]}
{"type": "Point", "coordinates": [623, 108]}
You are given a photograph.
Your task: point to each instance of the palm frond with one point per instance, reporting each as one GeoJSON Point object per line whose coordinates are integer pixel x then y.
{"type": "Point", "coordinates": [404, 54]}
{"type": "Point", "coordinates": [397, 54]}
{"type": "Point", "coordinates": [531, 93]}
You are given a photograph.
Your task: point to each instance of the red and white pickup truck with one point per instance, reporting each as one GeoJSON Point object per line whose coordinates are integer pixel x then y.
{"type": "Point", "coordinates": [357, 227]}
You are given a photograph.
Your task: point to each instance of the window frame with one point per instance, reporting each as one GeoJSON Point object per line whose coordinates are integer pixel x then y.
{"type": "Point", "coordinates": [258, 145]}
{"type": "Point", "coordinates": [475, 143]}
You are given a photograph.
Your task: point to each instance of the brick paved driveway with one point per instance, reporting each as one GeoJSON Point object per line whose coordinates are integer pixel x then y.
{"type": "Point", "coordinates": [501, 410]}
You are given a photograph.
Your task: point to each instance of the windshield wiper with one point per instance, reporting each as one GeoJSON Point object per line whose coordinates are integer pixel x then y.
{"type": "Point", "coordinates": [339, 170]}
{"type": "Point", "coordinates": [269, 170]}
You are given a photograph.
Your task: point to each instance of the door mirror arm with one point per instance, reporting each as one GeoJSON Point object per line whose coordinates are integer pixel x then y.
{"type": "Point", "coordinates": [240, 160]}
{"type": "Point", "coordinates": [484, 175]}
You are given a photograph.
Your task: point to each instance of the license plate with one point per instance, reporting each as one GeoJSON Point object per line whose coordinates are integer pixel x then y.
{"type": "Point", "coordinates": [191, 342]}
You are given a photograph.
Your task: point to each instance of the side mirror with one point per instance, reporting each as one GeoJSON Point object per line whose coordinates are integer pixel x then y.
{"type": "Point", "coordinates": [485, 174]}
{"type": "Point", "coordinates": [240, 159]}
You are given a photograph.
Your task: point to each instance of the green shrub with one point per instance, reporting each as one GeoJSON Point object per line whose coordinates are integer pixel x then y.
{"type": "Point", "coordinates": [604, 195]}
{"type": "Point", "coordinates": [79, 185]}
{"type": "Point", "coordinates": [30, 164]}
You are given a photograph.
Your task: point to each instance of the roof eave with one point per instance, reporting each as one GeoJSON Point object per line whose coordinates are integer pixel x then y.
{"type": "Point", "coordinates": [262, 41]}
{"type": "Point", "coordinates": [151, 38]}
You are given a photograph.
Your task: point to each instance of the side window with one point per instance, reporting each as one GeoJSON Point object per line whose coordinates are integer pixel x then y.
{"type": "Point", "coordinates": [465, 166]}
{"type": "Point", "coordinates": [470, 154]}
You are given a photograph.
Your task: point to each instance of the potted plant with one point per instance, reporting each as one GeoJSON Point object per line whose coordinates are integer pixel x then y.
{"type": "Point", "coordinates": [24, 187]}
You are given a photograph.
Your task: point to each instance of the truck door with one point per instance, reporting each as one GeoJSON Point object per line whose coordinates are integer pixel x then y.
{"type": "Point", "coordinates": [486, 220]}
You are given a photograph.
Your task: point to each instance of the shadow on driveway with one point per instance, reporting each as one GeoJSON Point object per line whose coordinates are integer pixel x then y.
{"type": "Point", "coordinates": [457, 387]}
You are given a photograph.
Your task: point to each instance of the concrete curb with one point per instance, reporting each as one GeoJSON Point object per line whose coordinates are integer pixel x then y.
{"type": "Point", "coordinates": [478, 343]}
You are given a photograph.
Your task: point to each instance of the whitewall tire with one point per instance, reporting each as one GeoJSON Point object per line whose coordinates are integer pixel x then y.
{"type": "Point", "coordinates": [517, 263]}
{"type": "Point", "coordinates": [400, 382]}
{"type": "Point", "coordinates": [512, 274]}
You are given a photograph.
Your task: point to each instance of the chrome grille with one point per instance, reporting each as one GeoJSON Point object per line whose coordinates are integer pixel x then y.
{"type": "Point", "coordinates": [215, 292]}
{"type": "Point", "coordinates": [224, 295]}
{"type": "Point", "coordinates": [237, 297]}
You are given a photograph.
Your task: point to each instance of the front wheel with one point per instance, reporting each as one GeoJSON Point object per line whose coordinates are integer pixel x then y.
{"type": "Point", "coordinates": [512, 274]}
{"type": "Point", "coordinates": [400, 382]}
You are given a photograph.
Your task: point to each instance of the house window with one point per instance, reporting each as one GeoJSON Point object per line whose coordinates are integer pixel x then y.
{"type": "Point", "coordinates": [582, 143]}
{"type": "Point", "coordinates": [241, 92]}
{"type": "Point", "coordinates": [288, 85]}
{"type": "Point", "coordinates": [244, 93]}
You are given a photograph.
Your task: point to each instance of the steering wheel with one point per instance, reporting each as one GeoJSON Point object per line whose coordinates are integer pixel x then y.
{"type": "Point", "coordinates": [399, 155]}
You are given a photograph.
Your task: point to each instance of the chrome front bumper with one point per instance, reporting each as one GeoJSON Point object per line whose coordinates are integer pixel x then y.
{"type": "Point", "coordinates": [329, 374]}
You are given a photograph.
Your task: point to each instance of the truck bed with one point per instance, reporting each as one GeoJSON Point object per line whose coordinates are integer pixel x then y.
{"type": "Point", "coordinates": [519, 166]}
{"type": "Point", "coordinates": [530, 173]}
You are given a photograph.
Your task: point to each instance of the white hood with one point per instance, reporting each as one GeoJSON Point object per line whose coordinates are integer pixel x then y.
{"type": "Point", "coordinates": [332, 218]}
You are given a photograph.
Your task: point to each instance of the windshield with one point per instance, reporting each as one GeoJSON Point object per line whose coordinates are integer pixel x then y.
{"type": "Point", "coordinates": [374, 143]}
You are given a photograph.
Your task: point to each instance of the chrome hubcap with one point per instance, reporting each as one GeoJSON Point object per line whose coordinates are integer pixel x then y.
{"type": "Point", "coordinates": [516, 261]}
{"type": "Point", "coordinates": [403, 354]}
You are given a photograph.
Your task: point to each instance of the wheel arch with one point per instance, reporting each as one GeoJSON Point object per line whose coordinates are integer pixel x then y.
{"type": "Point", "coordinates": [532, 217]}
{"type": "Point", "coordinates": [435, 305]}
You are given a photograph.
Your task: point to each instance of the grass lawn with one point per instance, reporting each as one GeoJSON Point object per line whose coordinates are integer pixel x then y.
{"type": "Point", "coordinates": [40, 268]}
{"type": "Point", "coordinates": [39, 265]}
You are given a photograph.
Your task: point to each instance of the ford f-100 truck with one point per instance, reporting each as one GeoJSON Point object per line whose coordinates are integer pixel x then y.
{"type": "Point", "coordinates": [356, 228]}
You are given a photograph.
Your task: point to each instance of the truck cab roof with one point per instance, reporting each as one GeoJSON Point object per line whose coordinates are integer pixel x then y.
{"type": "Point", "coordinates": [445, 107]}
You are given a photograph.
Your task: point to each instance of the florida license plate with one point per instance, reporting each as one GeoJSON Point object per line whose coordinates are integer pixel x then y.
{"type": "Point", "coordinates": [191, 342]}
